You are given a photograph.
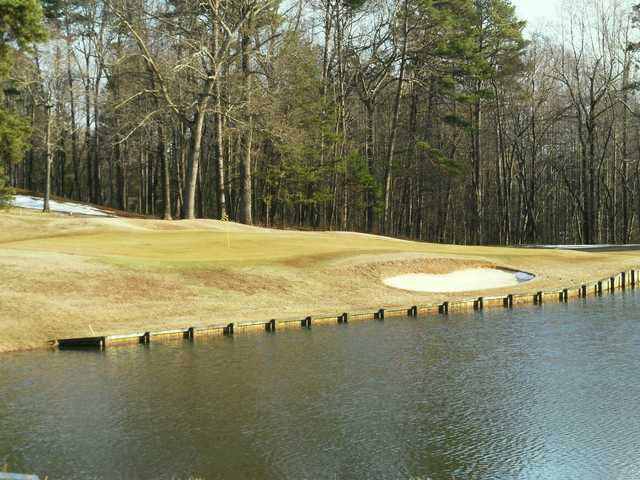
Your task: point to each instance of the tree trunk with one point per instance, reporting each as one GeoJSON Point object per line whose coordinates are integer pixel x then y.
{"type": "Point", "coordinates": [87, 133]}
{"type": "Point", "coordinates": [193, 163]}
{"type": "Point", "coordinates": [245, 166]}
{"type": "Point", "coordinates": [370, 153]}
{"type": "Point", "coordinates": [219, 119]}
{"type": "Point", "coordinates": [95, 149]}
{"type": "Point", "coordinates": [75, 192]}
{"type": "Point", "coordinates": [394, 124]}
{"type": "Point", "coordinates": [48, 162]}
{"type": "Point", "coordinates": [477, 230]}
{"type": "Point", "coordinates": [166, 175]}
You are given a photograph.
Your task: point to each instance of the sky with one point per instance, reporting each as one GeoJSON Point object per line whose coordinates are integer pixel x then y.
{"type": "Point", "coordinates": [535, 11]}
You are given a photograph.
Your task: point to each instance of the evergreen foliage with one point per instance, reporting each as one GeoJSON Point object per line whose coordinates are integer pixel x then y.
{"type": "Point", "coordinates": [6, 192]}
{"type": "Point", "coordinates": [21, 25]}
{"type": "Point", "coordinates": [431, 119]}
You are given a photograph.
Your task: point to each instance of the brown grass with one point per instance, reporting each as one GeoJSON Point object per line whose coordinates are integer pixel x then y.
{"type": "Point", "coordinates": [64, 276]}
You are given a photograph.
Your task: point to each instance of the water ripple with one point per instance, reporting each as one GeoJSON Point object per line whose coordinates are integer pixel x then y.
{"type": "Point", "coordinates": [534, 393]}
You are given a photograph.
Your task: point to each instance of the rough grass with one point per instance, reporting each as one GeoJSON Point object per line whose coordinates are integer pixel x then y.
{"type": "Point", "coordinates": [65, 276]}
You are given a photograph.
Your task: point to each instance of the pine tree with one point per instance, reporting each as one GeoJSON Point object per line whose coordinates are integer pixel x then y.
{"type": "Point", "coordinates": [6, 192]}
{"type": "Point", "coordinates": [20, 26]}
{"type": "Point", "coordinates": [498, 46]}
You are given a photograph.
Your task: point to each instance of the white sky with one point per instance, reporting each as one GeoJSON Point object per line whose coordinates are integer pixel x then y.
{"type": "Point", "coordinates": [543, 14]}
{"type": "Point", "coordinates": [537, 12]}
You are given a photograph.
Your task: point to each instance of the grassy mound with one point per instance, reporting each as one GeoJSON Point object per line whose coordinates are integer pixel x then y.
{"type": "Point", "coordinates": [65, 276]}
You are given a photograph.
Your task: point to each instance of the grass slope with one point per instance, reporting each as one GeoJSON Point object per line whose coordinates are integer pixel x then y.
{"type": "Point", "coordinates": [63, 276]}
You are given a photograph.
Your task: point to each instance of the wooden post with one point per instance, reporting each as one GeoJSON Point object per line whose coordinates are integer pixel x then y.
{"type": "Point", "coordinates": [444, 308]}
{"type": "Point", "coordinates": [145, 338]}
{"type": "Point", "coordinates": [344, 318]}
{"type": "Point", "coordinates": [189, 333]}
{"type": "Point", "coordinates": [479, 304]}
{"type": "Point", "coordinates": [583, 291]}
{"type": "Point", "coordinates": [81, 343]}
{"type": "Point", "coordinates": [306, 323]}
{"type": "Point", "coordinates": [228, 330]}
{"type": "Point", "coordinates": [623, 280]}
{"type": "Point", "coordinates": [537, 299]}
{"type": "Point", "coordinates": [413, 311]}
{"type": "Point", "coordinates": [599, 287]}
{"type": "Point", "coordinates": [633, 278]}
{"type": "Point", "coordinates": [565, 295]}
{"type": "Point", "coordinates": [270, 326]}
{"type": "Point", "coordinates": [612, 284]}
{"type": "Point", "coordinates": [379, 315]}
{"type": "Point", "coordinates": [508, 301]}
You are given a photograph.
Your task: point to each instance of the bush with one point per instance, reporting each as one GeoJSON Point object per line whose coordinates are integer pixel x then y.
{"type": "Point", "coordinates": [6, 192]}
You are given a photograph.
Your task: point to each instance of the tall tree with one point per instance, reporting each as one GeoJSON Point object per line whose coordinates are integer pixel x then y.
{"type": "Point", "coordinates": [498, 45]}
{"type": "Point", "coordinates": [20, 26]}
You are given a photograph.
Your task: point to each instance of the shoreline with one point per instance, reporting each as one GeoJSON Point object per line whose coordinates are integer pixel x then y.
{"type": "Point", "coordinates": [624, 280]}
{"type": "Point", "coordinates": [66, 276]}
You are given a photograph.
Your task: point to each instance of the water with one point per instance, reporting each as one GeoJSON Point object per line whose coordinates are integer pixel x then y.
{"type": "Point", "coordinates": [546, 392]}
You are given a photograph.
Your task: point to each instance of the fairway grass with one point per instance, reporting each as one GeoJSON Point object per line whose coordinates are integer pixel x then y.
{"type": "Point", "coordinates": [65, 276]}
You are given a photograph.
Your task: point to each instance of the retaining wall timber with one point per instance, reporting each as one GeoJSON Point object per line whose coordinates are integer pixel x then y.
{"type": "Point", "coordinates": [621, 281]}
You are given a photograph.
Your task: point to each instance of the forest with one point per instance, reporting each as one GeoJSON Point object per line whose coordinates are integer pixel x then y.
{"type": "Point", "coordinates": [435, 120]}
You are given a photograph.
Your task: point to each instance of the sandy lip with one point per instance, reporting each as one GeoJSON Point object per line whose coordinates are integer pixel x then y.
{"type": "Point", "coordinates": [466, 280]}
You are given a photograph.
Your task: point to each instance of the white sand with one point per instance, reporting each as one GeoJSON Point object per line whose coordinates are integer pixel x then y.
{"type": "Point", "coordinates": [470, 279]}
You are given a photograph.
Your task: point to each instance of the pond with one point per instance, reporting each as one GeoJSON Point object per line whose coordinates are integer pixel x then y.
{"type": "Point", "coordinates": [548, 392]}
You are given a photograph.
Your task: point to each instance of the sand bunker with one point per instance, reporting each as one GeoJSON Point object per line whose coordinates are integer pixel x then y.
{"type": "Point", "coordinates": [467, 280]}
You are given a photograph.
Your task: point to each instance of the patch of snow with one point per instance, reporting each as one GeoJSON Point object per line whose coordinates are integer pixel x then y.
{"type": "Point", "coordinates": [575, 246]}
{"type": "Point", "coordinates": [36, 203]}
{"type": "Point", "coordinates": [602, 246]}
{"type": "Point", "coordinates": [470, 279]}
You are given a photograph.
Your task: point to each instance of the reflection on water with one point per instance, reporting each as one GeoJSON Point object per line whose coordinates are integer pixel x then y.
{"type": "Point", "coordinates": [545, 392]}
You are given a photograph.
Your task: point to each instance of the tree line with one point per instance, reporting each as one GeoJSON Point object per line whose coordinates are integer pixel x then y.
{"type": "Point", "coordinates": [435, 120]}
